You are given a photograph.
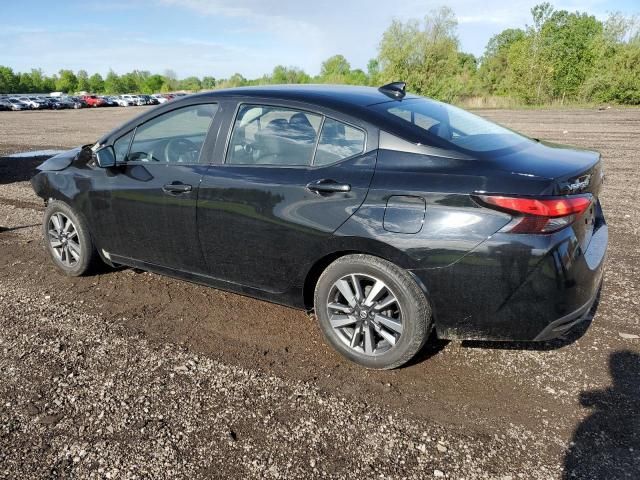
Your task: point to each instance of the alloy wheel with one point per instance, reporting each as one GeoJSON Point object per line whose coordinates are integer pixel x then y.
{"type": "Point", "coordinates": [63, 238]}
{"type": "Point", "coordinates": [365, 314]}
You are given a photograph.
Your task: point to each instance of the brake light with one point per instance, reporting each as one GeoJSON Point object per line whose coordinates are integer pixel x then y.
{"type": "Point", "coordinates": [539, 215]}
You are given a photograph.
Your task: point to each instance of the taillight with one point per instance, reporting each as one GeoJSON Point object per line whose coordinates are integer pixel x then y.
{"type": "Point", "coordinates": [538, 215]}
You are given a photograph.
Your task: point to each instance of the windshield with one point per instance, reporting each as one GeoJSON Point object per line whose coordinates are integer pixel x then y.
{"type": "Point", "coordinates": [431, 120]}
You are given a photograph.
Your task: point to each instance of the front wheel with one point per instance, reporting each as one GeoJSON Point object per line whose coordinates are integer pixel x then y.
{"type": "Point", "coordinates": [67, 240]}
{"type": "Point", "coordinates": [372, 311]}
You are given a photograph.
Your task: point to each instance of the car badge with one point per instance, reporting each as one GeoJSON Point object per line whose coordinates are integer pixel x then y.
{"type": "Point", "coordinates": [580, 183]}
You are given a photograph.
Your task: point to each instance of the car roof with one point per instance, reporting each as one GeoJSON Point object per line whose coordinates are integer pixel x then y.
{"type": "Point", "coordinates": [323, 95]}
{"type": "Point", "coordinates": [350, 100]}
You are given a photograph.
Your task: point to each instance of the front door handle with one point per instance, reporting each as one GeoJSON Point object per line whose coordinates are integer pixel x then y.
{"type": "Point", "coordinates": [176, 188]}
{"type": "Point", "coordinates": [328, 186]}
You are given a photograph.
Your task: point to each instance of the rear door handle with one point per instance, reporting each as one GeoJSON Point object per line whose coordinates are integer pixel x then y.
{"type": "Point", "coordinates": [176, 187]}
{"type": "Point", "coordinates": [328, 186]}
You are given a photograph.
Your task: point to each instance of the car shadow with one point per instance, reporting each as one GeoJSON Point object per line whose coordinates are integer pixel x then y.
{"type": "Point", "coordinates": [14, 170]}
{"type": "Point", "coordinates": [11, 229]}
{"type": "Point", "coordinates": [606, 444]}
{"type": "Point", "coordinates": [431, 348]}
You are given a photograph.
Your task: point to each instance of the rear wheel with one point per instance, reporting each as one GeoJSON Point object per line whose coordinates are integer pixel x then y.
{"type": "Point", "coordinates": [372, 311]}
{"type": "Point", "coordinates": [67, 240]}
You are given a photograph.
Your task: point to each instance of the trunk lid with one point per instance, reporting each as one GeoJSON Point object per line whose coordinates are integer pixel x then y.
{"type": "Point", "coordinates": [569, 170]}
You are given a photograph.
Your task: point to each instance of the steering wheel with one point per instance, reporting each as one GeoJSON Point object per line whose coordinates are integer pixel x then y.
{"type": "Point", "coordinates": [181, 150]}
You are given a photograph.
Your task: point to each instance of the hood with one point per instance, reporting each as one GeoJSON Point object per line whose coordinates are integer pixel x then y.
{"type": "Point", "coordinates": [60, 161]}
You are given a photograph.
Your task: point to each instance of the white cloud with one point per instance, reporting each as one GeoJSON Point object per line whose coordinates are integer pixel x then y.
{"type": "Point", "coordinates": [248, 36]}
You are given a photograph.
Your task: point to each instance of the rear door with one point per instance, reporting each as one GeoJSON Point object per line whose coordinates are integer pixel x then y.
{"type": "Point", "coordinates": [154, 188]}
{"type": "Point", "coordinates": [286, 180]}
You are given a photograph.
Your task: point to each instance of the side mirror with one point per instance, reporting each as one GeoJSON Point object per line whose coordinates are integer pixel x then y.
{"type": "Point", "coordinates": [106, 157]}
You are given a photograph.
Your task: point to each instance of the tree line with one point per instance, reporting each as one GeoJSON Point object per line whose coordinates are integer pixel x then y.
{"type": "Point", "coordinates": [561, 57]}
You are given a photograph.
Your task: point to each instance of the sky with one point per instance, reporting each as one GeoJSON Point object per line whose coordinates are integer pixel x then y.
{"type": "Point", "coordinates": [222, 37]}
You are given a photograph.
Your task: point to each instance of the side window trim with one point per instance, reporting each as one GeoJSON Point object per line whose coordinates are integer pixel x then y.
{"type": "Point", "coordinates": [315, 147]}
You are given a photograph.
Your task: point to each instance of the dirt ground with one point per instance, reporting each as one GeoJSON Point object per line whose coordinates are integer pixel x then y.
{"type": "Point", "coordinates": [127, 374]}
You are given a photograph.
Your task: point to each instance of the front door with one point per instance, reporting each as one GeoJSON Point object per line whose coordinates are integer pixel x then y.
{"type": "Point", "coordinates": [153, 191]}
{"type": "Point", "coordinates": [289, 180]}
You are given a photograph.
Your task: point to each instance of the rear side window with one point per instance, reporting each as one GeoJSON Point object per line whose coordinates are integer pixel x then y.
{"type": "Point", "coordinates": [264, 135]}
{"type": "Point", "coordinates": [337, 142]}
{"type": "Point", "coordinates": [438, 123]}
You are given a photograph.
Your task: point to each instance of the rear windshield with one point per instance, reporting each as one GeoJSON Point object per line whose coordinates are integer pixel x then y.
{"type": "Point", "coordinates": [440, 124]}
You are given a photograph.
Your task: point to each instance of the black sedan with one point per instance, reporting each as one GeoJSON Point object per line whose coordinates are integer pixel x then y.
{"type": "Point", "coordinates": [388, 214]}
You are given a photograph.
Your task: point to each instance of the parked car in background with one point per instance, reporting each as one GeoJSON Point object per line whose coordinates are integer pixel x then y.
{"type": "Point", "coordinates": [45, 102]}
{"type": "Point", "coordinates": [124, 102]}
{"type": "Point", "coordinates": [78, 102]}
{"type": "Point", "coordinates": [32, 102]}
{"type": "Point", "coordinates": [160, 98]}
{"type": "Point", "coordinates": [93, 101]}
{"type": "Point", "coordinates": [17, 104]}
{"type": "Point", "coordinates": [133, 99]}
{"type": "Point", "coordinates": [53, 103]}
{"type": "Point", "coordinates": [390, 215]}
{"type": "Point", "coordinates": [129, 99]}
{"type": "Point", "coordinates": [65, 102]}
{"type": "Point", "coordinates": [109, 101]}
{"type": "Point", "coordinates": [5, 104]}
{"type": "Point", "coordinates": [149, 99]}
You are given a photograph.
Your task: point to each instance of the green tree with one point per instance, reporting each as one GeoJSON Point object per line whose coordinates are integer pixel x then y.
{"type": "Point", "coordinates": [373, 71]}
{"type": "Point", "coordinates": [38, 80]}
{"type": "Point", "coordinates": [423, 54]}
{"type": "Point", "coordinates": [190, 83]}
{"type": "Point", "coordinates": [616, 74]}
{"type": "Point", "coordinates": [494, 67]}
{"type": "Point", "coordinates": [49, 83]}
{"type": "Point", "coordinates": [284, 75]}
{"type": "Point", "coordinates": [25, 84]}
{"type": "Point", "coordinates": [208, 83]}
{"type": "Point", "coordinates": [357, 77]}
{"type": "Point", "coordinates": [170, 80]}
{"type": "Point", "coordinates": [8, 80]}
{"type": "Point", "coordinates": [67, 81]}
{"type": "Point", "coordinates": [335, 69]}
{"type": "Point", "coordinates": [153, 84]}
{"type": "Point", "coordinates": [82, 81]}
{"type": "Point", "coordinates": [235, 80]}
{"type": "Point", "coordinates": [113, 84]}
{"type": "Point", "coordinates": [568, 40]}
{"type": "Point", "coordinates": [96, 83]}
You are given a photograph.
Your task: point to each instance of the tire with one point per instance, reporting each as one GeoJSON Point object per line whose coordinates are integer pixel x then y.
{"type": "Point", "coordinates": [381, 332]}
{"type": "Point", "coordinates": [72, 250]}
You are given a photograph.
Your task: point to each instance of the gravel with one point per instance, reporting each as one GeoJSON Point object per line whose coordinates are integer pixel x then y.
{"type": "Point", "coordinates": [128, 374]}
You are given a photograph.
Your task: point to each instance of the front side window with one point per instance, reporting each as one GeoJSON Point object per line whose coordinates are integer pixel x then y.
{"type": "Point", "coordinates": [121, 147]}
{"type": "Point", "coordinates": [337, 142]}
{"type": "Point", "coordinates": [264, 135]}
{"type": "Point", "coordinates": [174, 137]}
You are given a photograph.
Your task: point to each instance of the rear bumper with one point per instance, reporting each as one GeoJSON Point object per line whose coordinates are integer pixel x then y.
{"type": "Point", "coordinates": [518, 288]}
{"type": "Point", "coordinates": [562, 325]}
